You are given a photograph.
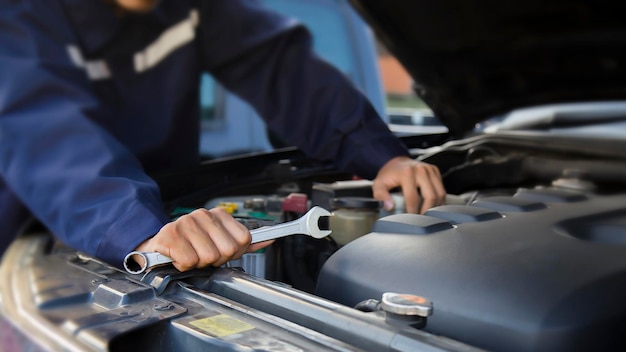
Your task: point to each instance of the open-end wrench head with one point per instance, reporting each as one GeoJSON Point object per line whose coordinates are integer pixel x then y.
{"type": "Point", "coordinates": [313, 222]}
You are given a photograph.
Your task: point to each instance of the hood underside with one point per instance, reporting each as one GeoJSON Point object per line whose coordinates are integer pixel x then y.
{"type": "Point", "coordinates": [473, 60]}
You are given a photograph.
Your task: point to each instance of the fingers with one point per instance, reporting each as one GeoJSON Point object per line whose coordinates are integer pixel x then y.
{"type": "Point", "coordinates": [428, 180]}
{"type": "Point", "coordinates": [420, 183]}
{"type": "Point", "coordinates": [381, 192]}
{"type": "Point", "coordinates": [409, 191]}
{"type": "Point", "coordinates": [229, 237]}
{"type": "Point", "coordinates": [201, 238]}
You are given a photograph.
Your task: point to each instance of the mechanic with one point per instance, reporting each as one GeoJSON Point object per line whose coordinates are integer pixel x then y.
{"type": "Point", "coordinates": [96, 95]}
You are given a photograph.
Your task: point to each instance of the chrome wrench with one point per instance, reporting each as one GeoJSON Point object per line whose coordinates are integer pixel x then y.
{"type": "Point", "coordinates": [308, 224]}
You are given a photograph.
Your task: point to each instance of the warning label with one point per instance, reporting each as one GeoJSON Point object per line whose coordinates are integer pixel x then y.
{"type": "Point", "coordinates": [221, 325]}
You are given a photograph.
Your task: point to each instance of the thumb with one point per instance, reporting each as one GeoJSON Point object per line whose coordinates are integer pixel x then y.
{"type": "Point", "coordinates": [256, 246]}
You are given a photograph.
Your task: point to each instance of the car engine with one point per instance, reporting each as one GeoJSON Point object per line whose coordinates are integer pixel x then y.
{"type": "Point", "coordinates": [526, 256]}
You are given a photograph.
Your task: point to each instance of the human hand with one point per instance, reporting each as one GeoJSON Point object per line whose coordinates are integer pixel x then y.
{"type": "Point", "coordinates": [202, 238]}
{"type": "Point", "coordinates": [416, 179]}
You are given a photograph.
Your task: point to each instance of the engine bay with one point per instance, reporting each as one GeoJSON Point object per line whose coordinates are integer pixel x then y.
{"type": "Point", "coordinates": [527, 255]}
{"type": "Point", "coordinates": [532, 236]}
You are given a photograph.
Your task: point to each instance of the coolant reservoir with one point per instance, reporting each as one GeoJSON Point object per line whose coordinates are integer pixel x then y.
{"type": "Point", "coordinates": [353, 217]}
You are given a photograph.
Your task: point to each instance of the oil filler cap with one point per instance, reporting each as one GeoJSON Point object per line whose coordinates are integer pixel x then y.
{"type": "Point", "coordinates": [406, 304]}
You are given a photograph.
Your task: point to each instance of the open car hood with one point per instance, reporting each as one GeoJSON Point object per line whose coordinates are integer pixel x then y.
{"type": "Point", "coordinates": [473, 60]}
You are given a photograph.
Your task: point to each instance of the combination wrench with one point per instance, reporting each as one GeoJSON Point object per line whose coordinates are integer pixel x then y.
{"type": "Point", "coordinates": [314, 223]}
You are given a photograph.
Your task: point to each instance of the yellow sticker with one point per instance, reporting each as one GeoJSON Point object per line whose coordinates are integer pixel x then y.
{"type": "Point", "coordinates": [230, 207]}
{"type": "Point", "coordinates": [221, 325]}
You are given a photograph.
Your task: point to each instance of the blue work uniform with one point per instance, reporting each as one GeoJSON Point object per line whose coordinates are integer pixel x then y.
{"type": "Point", "coordinates": [92, 101]}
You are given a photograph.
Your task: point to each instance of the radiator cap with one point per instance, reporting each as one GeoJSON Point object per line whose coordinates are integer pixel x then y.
{"type": "Point", "coordinates": [406, 304]}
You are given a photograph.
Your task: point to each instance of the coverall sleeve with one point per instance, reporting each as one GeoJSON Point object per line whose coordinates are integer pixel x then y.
{"type": "Point", "coordinates": [268, 60]}
{"type": "Point", "coordinates": [78, 180]}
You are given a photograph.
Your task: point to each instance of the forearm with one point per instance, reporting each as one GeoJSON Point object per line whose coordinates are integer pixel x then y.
{"type": "Point", "coordinates": [303, 99]}
{"type": "Point", "coordinates": [77, 179]}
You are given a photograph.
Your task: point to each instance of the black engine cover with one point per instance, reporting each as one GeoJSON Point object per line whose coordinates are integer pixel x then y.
{"type": "Point", "coordinates": [542, 270]}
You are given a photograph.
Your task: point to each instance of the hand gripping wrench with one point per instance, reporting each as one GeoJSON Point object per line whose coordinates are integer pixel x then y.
{"type": "Point", "coordinates": [314, 223]}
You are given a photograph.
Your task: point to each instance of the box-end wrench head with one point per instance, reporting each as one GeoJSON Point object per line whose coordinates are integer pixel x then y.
{"type": "Point", "coordinates": [137, 262]}
{"type": "Point", "coordinates": [314, 223]}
